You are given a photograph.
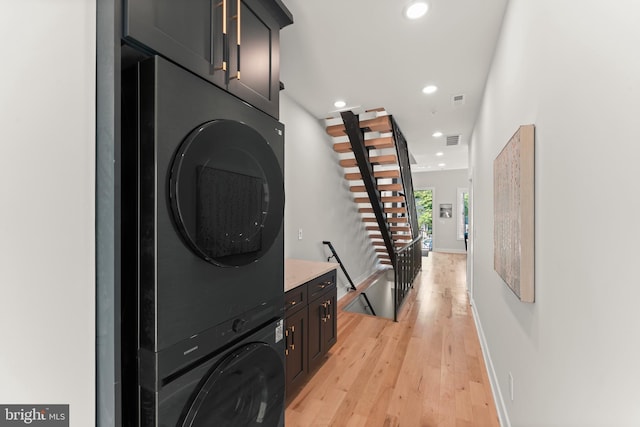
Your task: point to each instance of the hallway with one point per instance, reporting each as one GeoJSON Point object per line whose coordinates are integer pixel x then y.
{"type": "Point", "coordinates": [426, 370]}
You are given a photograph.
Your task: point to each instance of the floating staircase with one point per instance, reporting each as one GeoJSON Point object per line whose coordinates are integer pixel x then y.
{"type": "Point", "coordinates": [368, 144]}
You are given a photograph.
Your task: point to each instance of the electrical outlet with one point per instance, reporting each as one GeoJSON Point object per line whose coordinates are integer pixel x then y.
{"type": "Point", "coordinates": [299, 233]}
{"type": "Point", "coordinates": [511, 386]}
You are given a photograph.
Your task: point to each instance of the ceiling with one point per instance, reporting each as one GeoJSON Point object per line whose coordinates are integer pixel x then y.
{"type": "Point", "coordinates": [368, 54]}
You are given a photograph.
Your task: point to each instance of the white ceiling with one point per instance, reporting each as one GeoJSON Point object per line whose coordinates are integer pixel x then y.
{"type": "Point", "coordinates": [368, 54]}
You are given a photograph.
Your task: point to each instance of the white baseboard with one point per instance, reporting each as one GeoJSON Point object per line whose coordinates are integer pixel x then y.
{"type": "Point", "coordinates": [493, 378]}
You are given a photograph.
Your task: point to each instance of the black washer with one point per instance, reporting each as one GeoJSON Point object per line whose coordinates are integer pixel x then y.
{"type": "Point", "coordinates": [244, 390]}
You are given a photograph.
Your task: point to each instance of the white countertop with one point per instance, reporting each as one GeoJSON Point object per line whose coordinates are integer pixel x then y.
{"type": "Point", "coordinates": [298, 271]}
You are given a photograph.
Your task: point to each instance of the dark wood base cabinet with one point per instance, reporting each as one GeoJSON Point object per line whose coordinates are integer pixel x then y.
{"type": "Point", "coordinates": [310, 328]}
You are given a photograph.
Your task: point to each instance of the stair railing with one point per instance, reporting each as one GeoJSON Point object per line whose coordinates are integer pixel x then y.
{"type": "Point", "coordinates": [408, 265]}
{"type": "Point", "coordinates": [402, 151]}
{"type": "Point", "coordinates": [356, 138]}
{"type": "Point", "coordinates": [406, 261]}
{"type": "Point", "coordinates": [344, 270]}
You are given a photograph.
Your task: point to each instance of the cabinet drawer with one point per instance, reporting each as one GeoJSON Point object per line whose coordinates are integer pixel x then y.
{"type": "Point", "coordinates": [295, 299]}
{"type": "Point", "coordinates": [322, 284]}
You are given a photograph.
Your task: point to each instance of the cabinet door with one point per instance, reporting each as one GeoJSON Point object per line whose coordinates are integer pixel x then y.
{"type": "Point", "coordinates": [189, 33]}
{"type": "Point", "coordinates": [254, 60]}
{"type": "Point", "coordinates": [296, 353]}
{"type": "Point", "coordinates": [330, 326]}
{"type": "Point", "coordinates": [316, 314]}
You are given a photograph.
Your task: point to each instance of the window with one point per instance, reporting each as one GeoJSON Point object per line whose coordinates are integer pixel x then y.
{"type": "Point", "coordinates": [462, 212]}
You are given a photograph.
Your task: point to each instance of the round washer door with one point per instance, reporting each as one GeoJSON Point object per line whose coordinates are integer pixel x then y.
{"type": "Point", "coordinates": [227, 193]}
{"type": "Point", "coordinates": [246, 389]}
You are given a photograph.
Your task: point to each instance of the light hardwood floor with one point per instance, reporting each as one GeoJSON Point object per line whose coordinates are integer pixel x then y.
{"type": "Point", "coordinates": [426, 370]}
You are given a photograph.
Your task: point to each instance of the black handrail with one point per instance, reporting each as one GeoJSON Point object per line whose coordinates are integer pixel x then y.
{"type": "Point", "coordinates": [344, 270]}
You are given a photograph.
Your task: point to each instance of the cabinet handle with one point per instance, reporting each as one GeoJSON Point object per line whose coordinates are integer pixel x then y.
{"type": "Point", "coordinates": [286, 342]}
{"type": "Point", "coordinates": [238, 32]}
{"type": "Point", "coordinates": [325, 284]}
{"type": "Point", "coordinates": [292, 346]}
{"type": "Point", "coordinates": [225, 43]}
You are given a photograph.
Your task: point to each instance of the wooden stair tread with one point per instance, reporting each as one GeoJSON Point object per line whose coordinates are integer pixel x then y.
{"type": "Point", "coordinates": [392, 220]}
{"type": "Point", "coordinates": [394, 229]}
{"type": "Point", "coordinates": [385, 199]}
{"type": "Point", "coordinates": [386, 210]}
{"type": "Point", "coordinates": [381, 187]}
{"type": "Point", "coordinates": [394, 237]}
{"type": "Point", "coordinates": [381, 243]}
{"type": "Point", "coordinates": [377, 124]}
{"type": "Point", "coordinates": [389, 173]}
{"type": "Point", "coordinates": [373, 143]}
{"type": "Point", "coordinates": [387, 159]}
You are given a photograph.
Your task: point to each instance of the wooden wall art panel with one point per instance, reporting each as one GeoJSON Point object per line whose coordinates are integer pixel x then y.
{"type": "Point", "coordinates": [513, 204]}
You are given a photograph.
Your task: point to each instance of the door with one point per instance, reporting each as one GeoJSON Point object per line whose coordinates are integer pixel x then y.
{"type": "Point", "coordinates": [254, 60]}
{"type": "Point", "coordinates": [330, 324]}
{"type": "Point", "coordinates": [295, 350]}
{"type": "Point", "coordinates": [322, 327]}
{"type": "Point", "coordinates": [245, 389]}
{"type": "Point", "coordinates": [189, 33]}
{"type": "Point", "coordinates": [227, 193]}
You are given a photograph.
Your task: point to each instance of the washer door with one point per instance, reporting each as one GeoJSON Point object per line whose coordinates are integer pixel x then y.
{"type": "Point", "coordinates": [245, 389]}
{"type": "Point", "coordinates": [227, 193]}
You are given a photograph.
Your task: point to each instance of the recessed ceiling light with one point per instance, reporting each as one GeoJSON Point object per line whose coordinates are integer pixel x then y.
{"type": "Point", "coordinates": [339, 104]}
{"type": "Point", "coordinates": [439, 153]}
{"type": "Point", "coordinates": [441, 165]}
{"type": "Point", "coordinates": [429, 89]}
{"type": "Point", "coordinates": [437, 134]}
{"type": "Point", "coordinates": [416, 10]}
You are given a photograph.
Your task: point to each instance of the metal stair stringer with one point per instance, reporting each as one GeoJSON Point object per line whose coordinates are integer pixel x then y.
{"type": "Point", "coordinates": [356, 139]}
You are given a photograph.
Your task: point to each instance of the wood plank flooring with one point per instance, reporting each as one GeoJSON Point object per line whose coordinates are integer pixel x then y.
{"type": "Point", "coordinates": [427, 370]}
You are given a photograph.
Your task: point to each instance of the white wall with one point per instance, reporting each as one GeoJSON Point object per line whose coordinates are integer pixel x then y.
{"type": "Point", "coordinates": [572, 69]}
{"type": "Point", "coordinates": [445, 186]}
{"type": "Point", "coordinates": [318, 199]}
{"type": "Point", "coordinates": [47, 169]}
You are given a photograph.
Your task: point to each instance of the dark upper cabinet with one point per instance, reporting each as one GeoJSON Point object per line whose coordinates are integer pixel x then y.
{"type": "Point", "coordinates": [232, 43]}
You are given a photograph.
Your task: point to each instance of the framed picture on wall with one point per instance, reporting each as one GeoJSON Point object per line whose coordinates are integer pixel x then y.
{"type": "Point", "coordinates": [446, 210]}
{"type": "Point", "coordinates": [513, 213]}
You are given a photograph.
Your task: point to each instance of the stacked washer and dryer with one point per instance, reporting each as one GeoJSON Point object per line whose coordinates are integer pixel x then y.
{"type": "Point", "coordinates": [202, 253]}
